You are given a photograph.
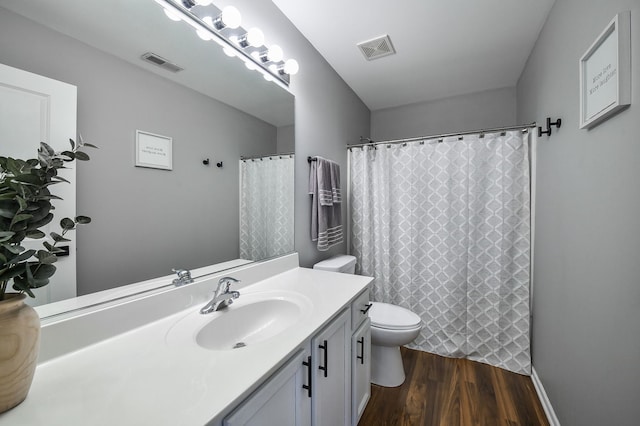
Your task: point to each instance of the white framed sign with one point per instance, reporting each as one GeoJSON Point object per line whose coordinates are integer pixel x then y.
{"type": "Point", "coordinates": [154, 151]}
{"type": "Point", "coordinates": [605, 73]}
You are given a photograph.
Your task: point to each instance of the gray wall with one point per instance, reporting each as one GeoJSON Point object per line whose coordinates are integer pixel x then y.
{"type": "Point", "coordinates": [286, 139]}
{"type": "Point", "coordinates": [491, 108]}
{"type": "Point", "coordinates": [145, 221]}
{"type": "Point", "coordinates": [328, 114]}
{"type": "Point", "coordinates": [586, 316]}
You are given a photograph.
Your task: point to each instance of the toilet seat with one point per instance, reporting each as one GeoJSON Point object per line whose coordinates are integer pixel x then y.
{"type": "Point", "coordinates": [393, 317]}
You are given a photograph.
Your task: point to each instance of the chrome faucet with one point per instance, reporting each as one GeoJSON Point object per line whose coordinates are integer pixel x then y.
{"type": "Point", "coordinates": [184, 277]}
{"type": "Point", "coordinates": [222, 297]}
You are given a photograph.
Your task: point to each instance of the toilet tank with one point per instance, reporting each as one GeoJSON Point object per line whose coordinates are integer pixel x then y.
{"type": "Point", "coordinates": [342, 263]}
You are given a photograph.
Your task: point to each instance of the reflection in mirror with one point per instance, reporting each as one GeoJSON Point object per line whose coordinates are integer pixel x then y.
{"type": "Point", "coordinates": [147, 221]}
{"type": "Point", "coordinates": [266, 206]}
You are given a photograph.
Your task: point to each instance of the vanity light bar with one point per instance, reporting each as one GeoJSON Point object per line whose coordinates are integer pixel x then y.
{"type": "Point", "coordinates": [233, 39]}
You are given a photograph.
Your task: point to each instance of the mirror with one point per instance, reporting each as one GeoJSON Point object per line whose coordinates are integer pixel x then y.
{"type": "Point", "coordinates": [147, 221]}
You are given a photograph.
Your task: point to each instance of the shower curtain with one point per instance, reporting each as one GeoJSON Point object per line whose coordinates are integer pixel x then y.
{"type": "Point", "coordinates": [266, 207]}
{"type": "Point", "coordinates": [444, 227]}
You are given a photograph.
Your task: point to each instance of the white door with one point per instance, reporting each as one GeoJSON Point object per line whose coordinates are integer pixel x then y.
{"type": "Point", "coordinates": [33, 109]}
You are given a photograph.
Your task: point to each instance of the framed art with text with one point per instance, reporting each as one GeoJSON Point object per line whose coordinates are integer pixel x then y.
{"type": "Point", "coordinates": [605, 73]}
{"type": "Point", "coordinates": [154, 151]}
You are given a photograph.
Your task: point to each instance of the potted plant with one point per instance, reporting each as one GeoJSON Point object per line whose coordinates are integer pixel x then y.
{"type": "Point", "coordinates": [25, 208]}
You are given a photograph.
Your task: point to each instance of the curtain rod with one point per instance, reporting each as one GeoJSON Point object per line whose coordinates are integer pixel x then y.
{"type": "Point", "coordinates": [260, 157]}
{"type": "Point", "coordinates": [524, 127]}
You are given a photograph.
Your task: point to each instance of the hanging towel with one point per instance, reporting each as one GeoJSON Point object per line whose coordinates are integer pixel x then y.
{"type": "Point", "coordinates": [326, 202]}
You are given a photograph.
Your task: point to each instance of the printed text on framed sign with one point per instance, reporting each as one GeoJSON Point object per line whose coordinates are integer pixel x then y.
{"type": "Point", "coordinates": [605, 73]}
{"type": "Point", "coordinates": [154, 151]}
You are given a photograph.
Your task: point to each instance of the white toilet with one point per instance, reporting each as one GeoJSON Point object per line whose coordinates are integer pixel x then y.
{"type": "Point", "coordinates": [391, 327]}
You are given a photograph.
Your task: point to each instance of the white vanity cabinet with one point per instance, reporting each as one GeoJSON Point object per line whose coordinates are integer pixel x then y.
{"type": "Point", "coordinates": [326, 383]}
{"type": "Point", "coordinates": [332, 370]}
{"type": "Point", "coordinates": [282, 400]}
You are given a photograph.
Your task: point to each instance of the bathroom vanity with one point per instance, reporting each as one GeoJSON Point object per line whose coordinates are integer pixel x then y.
{"type": "Point", "coordinates": [293, 349]}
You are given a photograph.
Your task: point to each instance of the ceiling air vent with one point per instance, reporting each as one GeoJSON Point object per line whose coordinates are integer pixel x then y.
{"type": "Point", "coordinates": [161, 62]}
{"type": "Point", "coordinates": [377, 48]}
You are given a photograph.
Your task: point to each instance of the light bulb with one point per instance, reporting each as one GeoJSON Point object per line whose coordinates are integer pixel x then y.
{"type": "Point", "coordinates": [267, 77]}
{"type": "Point", "coordinates": [275, 53]}
{"type": "Point", "coordinates": [251, 66]}
{"type": "Point", "coordinates": [204, 2]}
{"type": "Point", "coordinates": [229, 51]}
{"type": "Point", "coordinates": [230, 17]}
{"type": "Point", "coordinates": [254, 37]}
{"type": "Point", "coordinates": [291, 67]}
{"type": "Point", "coordinates": [172, 14]}
{"type": "Point", "coordinates": [273, 68]}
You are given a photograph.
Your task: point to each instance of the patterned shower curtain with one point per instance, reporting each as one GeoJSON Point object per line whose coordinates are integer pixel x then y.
{"type": "Point", "coordinates": [266, 207]}
{"type": "Point", "coordinates": [444, 227]}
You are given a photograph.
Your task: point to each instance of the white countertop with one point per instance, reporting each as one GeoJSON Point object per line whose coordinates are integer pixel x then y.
{"type": "Point", "coordinates": [141, 378]}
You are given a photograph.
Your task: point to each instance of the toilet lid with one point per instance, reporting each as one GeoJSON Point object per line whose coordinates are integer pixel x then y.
{"type": "Point", "coordinates": [385, 315]}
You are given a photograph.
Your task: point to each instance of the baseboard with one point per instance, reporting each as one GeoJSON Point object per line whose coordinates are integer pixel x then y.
{"type": "Point", "coordinates": [544, 399]}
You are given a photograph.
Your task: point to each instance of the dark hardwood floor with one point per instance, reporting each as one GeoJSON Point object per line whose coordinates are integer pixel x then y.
{"type": "Point", "coordinates": [443, 391]}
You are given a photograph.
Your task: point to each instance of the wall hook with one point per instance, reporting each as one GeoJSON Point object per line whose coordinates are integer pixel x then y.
{"type": "Point", "coordinates": [205, 162]}
{"type": "Point", "coordinates": [556, 123]}
{"type": "Point", "coordinates": [547, 132]}
{"type": "Point", "coordinates": [219, 164]}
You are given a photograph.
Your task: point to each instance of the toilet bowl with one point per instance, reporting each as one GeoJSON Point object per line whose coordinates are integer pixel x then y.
{"type": "Point", "coordinates": [391, 327]}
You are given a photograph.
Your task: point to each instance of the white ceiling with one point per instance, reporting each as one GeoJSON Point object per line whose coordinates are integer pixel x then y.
{"type": "Point", "coordinates": [444, 47]}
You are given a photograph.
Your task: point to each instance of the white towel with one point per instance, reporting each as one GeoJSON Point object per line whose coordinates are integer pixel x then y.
{"type": "Point", "coordinates": [326, 202]}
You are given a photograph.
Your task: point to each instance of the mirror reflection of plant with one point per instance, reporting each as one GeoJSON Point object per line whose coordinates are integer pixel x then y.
{"type": "Point", "coordinates": [25, 208]}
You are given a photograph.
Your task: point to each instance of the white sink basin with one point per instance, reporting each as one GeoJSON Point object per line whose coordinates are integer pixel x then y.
{"type": "Point", "coordinates": [253, 318]}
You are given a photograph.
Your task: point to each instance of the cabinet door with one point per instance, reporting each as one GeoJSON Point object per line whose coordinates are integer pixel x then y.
{"type": "Point", "coordinates": [360, 370]}
{"type": "Point", "coordinates": [332, 373]}
{"type": "Point", "coordinates": [282, 400]}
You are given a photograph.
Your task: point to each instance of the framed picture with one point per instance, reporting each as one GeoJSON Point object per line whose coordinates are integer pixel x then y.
{"type": "Point", "coordinates": [154, 151]}
{"type": "Point", "coordinates": [605, 73]}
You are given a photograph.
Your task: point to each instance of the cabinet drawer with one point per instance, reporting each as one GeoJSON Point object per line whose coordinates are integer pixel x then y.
{"type": "Point", "coordinates": [360, 309]}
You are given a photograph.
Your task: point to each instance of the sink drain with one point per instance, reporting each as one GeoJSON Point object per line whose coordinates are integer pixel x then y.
{"type": "Point", "coordinates": [239, 345]}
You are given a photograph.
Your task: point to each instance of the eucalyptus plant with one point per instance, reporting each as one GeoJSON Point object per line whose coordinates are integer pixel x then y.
{"type": "Point", "coordinates": [25, 208]}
